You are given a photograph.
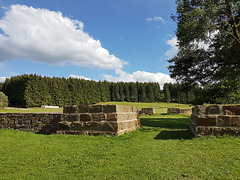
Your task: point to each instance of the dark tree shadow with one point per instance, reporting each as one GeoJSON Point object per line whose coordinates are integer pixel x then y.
{"type": "Point", "coordinates": [171, 123]}
{"type": "Point", "coordinates": [166, 135]}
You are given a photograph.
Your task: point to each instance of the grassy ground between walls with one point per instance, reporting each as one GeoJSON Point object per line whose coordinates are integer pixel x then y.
{"type": "Point", "coordinates": [163, 148]}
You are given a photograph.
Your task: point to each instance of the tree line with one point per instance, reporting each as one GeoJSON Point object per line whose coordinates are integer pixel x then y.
{"type": "Point", "coordinates": [34, 90]}
{"type": "Point", "coordinates": [185, 93]}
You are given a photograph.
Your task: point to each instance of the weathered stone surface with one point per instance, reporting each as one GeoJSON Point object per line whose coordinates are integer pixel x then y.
{"type": "Point", "coordinates": [135, 109]}
{"type": "Point", "coordinates": [199, 110]}
{"type": "Point", "coordinates": [71, 117]}
{"type": "Point", "coordinates": [83, 109]}
{"type": "Point", "coordinates": [231, 110]}
{"type": "Point", "coordinates": [223, 120]}
{"type": "Point", "coordinates": [215, 120]}
{"type": "Point", "coordinates": [112, 117]}
{"type": "Point", "coordinates": [76, 125]}
{"type": "Point", "coordinates": [34, 122]}
{"type": "Point", "coordinates": [99, 117]}
{"type": "Point", "coordinates": [147, 111]}
{"type": "Point", "coordinates": [77, 120]}
{"type": "Point", "coordinates": [70, 109]}
{"type": "Point", "coordinates": [64, 125]}
{"type": "Point", "coordinates": [235, 121]}
{"type": "Point", "coordinates": [178, 111]}
{"type": "Point", "coordinates": [96, 108]}
{"type": "Point", "coordinates": [85, 117]}
{"type": "Point", "coordinates": [127, 109]}
{"type": "Point", "coordinates": [107, 126]}
{"type": "Point", "coordinates": [112, 109]}
{"type": "Point", "coordinates": [206, 121]}
{"type": "Point", "coordinates": [213, 109]}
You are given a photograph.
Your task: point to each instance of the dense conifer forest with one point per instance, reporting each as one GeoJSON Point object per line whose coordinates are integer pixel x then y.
{"type": "Point", "coordinates": [33, 91]}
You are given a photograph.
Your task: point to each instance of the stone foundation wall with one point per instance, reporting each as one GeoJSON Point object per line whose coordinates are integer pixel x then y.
{"type": "Point", "coordinates": [34, 122]}
{"type": "Point", "coordinates": [99, 119]}
{"type": "Point", "coordinates": [94, 119]}
{"type": "Point", "coordinates": [178, 111]}
{"type": "Point", "coordinates": [147, 111]}
{"type": "Point", "coordinates": [215, 120]}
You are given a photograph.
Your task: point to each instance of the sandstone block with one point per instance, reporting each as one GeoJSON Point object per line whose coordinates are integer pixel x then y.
{"type": "Point", "coordinates": [83, 109]}
{"type": "Point", "coordinates": [173, 111]}
{"type": "Point", "coordinates": [98, 117]}
{"type": "Point", "coordinates": [199, 110]}
{"type": "Point", "coordinates": [185, 111]}
{"type": "Point", "coordinates": [130, 124]}
{"type": "Point", "coordinates": [112, 117]}
{"type": "Point", "coordinates": [122, 126]}
{"type": "Point", "coordinates": [64, 125]}
{"type": "Point", "coordinates": [223, 121]}
{"type": "Point", "coordinates": [127, 109]}
{"type": "Point", "coordinates": [194, 118]}
{"type": "Point", "coordinates": [112, 109]}
{"type": "Point", "coordinates": [231, 110]}
{"type": "Point", "coordinates": [214, 109]}
{"type": "Point", "coordinates": [76, 125]}
{"type": "Point", "coordinates": [70, 109]}
{"type": "Point", "coordinates": [71, 117]}
{"type": "Point", "coordinates": [137, 123]}
{"type": "Point", "coordinates": [235, 121]}
{"type": "Point", "coordinates": [135, 109]}
{"type": "Point", "coordinates": [90, 125]}
{"type": "Point", "coordinates": [234, 131]}
{"type": "Point", "coordinates": [132, 116]}
{"type": "Point", "coordinates": [107, 126]}
{"type": "Point", "coordinates": [96, 108]}
{"type": "Point", "coordinates": [206, 121]}
{"type": "Point", "coordinates": [85, 117]}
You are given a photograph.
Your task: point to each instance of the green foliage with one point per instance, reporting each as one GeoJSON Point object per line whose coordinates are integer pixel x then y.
{"type": "Point", "coordinates": [167, 93]}
{"type": "Point", "coordinates": [33, 91]}
{"type": "Point", "coordinates": [189, 94]}
{"type": "Point", "coordinates": [3, 100]}
{"type": "Point", "coordinates": [217, 24]}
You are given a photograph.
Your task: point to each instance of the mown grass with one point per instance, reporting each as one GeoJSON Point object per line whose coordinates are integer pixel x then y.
{"type": "Point", "coordinates": [159, 107]}
{"type": "Point", "coordinates": [30, 110]}
{"type": "Point", "coordinates": [163, 148]}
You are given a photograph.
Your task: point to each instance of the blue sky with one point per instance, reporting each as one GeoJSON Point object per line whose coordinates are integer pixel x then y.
{"type": "Point", "coordinates": [114, 40]}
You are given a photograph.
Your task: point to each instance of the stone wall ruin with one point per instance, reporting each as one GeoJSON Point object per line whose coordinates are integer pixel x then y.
{"type": "Point", "coordinates": [82, 119]}
{"type": "Point", "coordinates": [46, 123]}
{"type": "Point", "coordinates": [178, 111]}
{"type": "Point", "coordinates": [147, 111]}
{"type": "Point", "coordinates": [99, 119]}
{"type": "Point", "coordinates": [215, 120]}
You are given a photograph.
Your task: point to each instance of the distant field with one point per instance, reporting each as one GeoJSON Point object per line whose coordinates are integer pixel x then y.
{"type": "Point", "coordinates": [30, 110]}
{"type": "Point", "coordinates": [160, 107]}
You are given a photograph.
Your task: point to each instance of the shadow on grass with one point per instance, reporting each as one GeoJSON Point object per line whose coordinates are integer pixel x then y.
{"type": "Point", "coordinates": [171, 123]}
{"type": "Point", "coordinates": [166, 135]}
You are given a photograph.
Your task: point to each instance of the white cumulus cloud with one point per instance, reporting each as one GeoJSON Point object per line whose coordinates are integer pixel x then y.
{"type": "Point", "coordinates": [174, 49]}
{"type": "Point", "coordinates": [79, 77]}
{"type": "Point", "coordinates": [47, 36]}
{"type": "Point", "coordinates": [151, 19]}
{"type": "Point", "coordinates": [2, 79]}
{"type": "Point", "coordinates": [140, 76]}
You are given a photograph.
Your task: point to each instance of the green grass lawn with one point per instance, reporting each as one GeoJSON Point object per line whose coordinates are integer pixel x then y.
{"type": "Point", "coordinates": [162, 148]}
{"type": "Point", "coordinates": [30, 110]}
{"type": "Point", "coordinates": [160, 107]}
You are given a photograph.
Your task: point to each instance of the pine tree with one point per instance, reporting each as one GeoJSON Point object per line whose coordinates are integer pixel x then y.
{"type": "Point", "coordinates": [167, 93]}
